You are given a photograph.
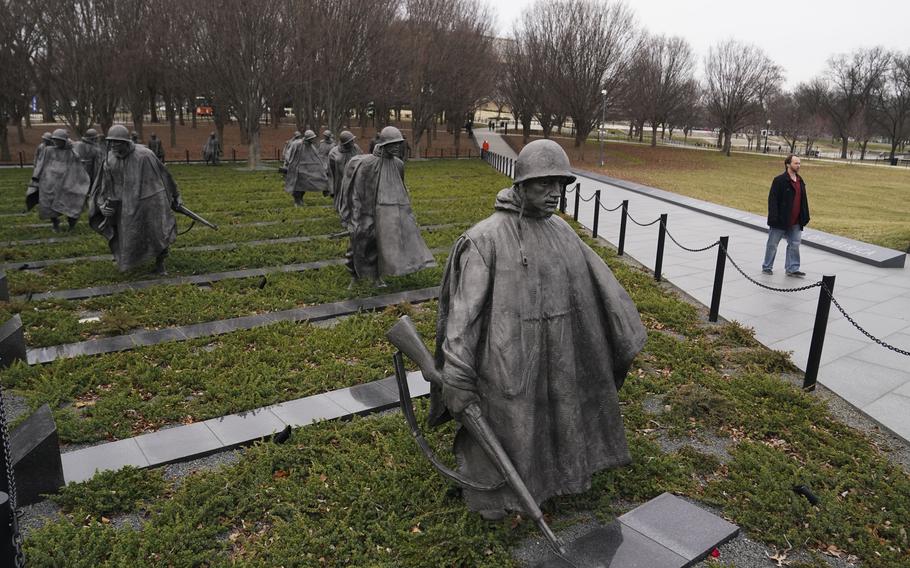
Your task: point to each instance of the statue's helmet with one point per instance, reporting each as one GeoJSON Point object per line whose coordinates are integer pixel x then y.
{"type": "Point", "coordinates": [543, 158]}
{"type": "Point", "coordinates": [118, 132]}
{"type": "Point", "coordinates": [389, 135]}
{"type": "Point", "coordinates": [346, 136]}
{"type": "Point", "coordinates": [91, 134]}
{"type": "Point", "coordinates": [46, 136]}
{"type": "Point", "coordinates": [309, 135]}
{"type": "Point", "coordinates": [60, 134]}
{"type": "Point", "coordinates": [326, 133]}
{"type": "Point", "coordinates": [297, 134]}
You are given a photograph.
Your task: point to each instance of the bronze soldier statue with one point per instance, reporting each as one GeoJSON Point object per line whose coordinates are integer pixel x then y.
{"type": "Point", "coordinates": [211, 151]}
{"type": "Point", "coordinates": [338, 161]}
{"type": "Point", "coordinates": [325, 146]}
{"type": "Point", "coordinates": [90, 153]}
{"type": "Point", "coordinates": [132, 205]}
{"type": "Point", "coordinates": [305, 170]}
{"type": "Point", "coordinates": [535, 334]}
{"type": "Point", "coordinates": [385, 238]}
{"type": "Point", "coordinates": [60, 182]}
{"type": "Point", "coordinates": [156, 146]}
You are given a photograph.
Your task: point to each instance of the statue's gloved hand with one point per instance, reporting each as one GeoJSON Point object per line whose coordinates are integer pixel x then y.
{"type": "Point", "coordinates": [456, 399]}
{"type": "Point", "coordinates": [107, 210]}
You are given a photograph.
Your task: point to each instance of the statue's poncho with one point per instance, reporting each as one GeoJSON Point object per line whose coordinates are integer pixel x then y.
{"type": "Point", "coordinates": [306, 170]}
{"type": "Point", "coordinates": [63, 183]}
{"type": "Point", "coordinates": [546, 344]}
{"type": "Point", "coordinates": [324, 149]}
{"type": "Point", "coordinates": [144, 226]}
{"type": "Point", "coordinates": [211, 151]}
{"type": "Point", "coordinates": [385, 238]}
{"type": "Point", "coordinates": [338, 161]}
{"type": "Point", "coordinates": [91, 155]}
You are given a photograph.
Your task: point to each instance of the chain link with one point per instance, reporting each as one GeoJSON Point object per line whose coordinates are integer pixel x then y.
{"type": "Point", "coordinates": [608, 209]}
{"type": "Point", "coordinates": [702, 249]}
{"type": "Point", "coordinates": [631, 218]}
{"type": "Point", "coordinates": [585, 200]}
{"type": "Point", "coordinates": [8, 465]}
{"type": "Point", "coordinates": [765, 286]}
{"type": "Point", "coordinates": [860, 328]}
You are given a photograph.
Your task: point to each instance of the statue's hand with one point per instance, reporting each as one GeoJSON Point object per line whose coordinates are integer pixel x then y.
{"type": "Point", "coordinates": [456, 399]}
{"type": "Point", "coordinates": [107, 210]}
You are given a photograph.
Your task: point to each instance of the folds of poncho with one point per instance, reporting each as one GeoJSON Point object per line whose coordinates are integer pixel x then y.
{"type": "Point", "coordinates": [63, 183]}
{"type": "Point", "coordinates": [211, 150]}
{"type": "Point", "coordinates": [91, 155]}
{"type": "Point", "coordinates": [385, 238]}
{"type": "Point", "coordinates": [306, 170]}
{"type": "Point", "coordinates": [145, 225]}
{"type": "Point", "coordinates": [534, 321]}
{"type": "Point", "coordinates": [338, 161]}
{"type": "Point", "coordinates": [323, 150]}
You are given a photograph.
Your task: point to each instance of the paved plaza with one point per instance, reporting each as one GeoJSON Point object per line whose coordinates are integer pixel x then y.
{"type": "Point", "coordinates": [870, 377]}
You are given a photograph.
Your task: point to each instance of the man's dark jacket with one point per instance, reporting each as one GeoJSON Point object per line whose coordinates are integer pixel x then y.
{"type": "Point", "coordinates": [780, 202]}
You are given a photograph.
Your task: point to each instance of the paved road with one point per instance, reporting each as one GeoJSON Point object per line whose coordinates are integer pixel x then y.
{"type": "Point", "coordinates": [872, 378]}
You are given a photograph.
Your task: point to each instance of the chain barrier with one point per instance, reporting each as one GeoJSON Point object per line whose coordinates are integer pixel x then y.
{"type": "Point", "coordinates": [609, 209]}
{"type": "Point", "coordinates": [585, 200]}
{"type": "Point", "coordinates": [19, 561]}
{"type": "Point", "coordinates": [765, 286]}
{"type": "Point", "coordinates": [631, 218]}
{"type": "Point", "coordinates": [860, 328]}
{"type": "Point", "coordinates": [569, 189]}
{"type": "Point", "coordinates": [680, 245]}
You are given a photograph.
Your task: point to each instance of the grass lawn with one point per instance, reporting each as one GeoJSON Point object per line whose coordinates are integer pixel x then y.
{"type": "Point", "coordinates": [871, 204]}
{"type": "Point", "coordinates": [359, 493]}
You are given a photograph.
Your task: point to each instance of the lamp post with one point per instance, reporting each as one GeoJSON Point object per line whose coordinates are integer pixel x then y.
{"type": "Point", "coordinates": [767, 134]}
{"type": "Point", "coordinates": [600, 132]}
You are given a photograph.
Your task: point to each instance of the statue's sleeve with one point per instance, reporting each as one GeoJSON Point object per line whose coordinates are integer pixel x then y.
{"type": "Point", "coordinates": [361, 214]}
{"type": "Point", "coordinates": [463, 309]}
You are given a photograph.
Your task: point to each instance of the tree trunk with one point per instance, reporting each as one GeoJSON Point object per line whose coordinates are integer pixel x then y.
{"type": "Point", "coordinates": [255, 147]}
{"type": "Point", "coordinates": [654, 135]}
{"type": "Point", "coordinates": [525, 131]}
{"type": "Point", "coordinates": [843, 147]}
{"type": "Point", "coordinates": [153, 107]}
{"type": "Point", "coordinates": [4, 143]}
{"type": "Point", "coordinates": [728, 142]}
{"type": "Point", "coordinates": [862, 154]}
{"type": "Point", "coordinates": [171, 116]}
{"type": "Point", "coordinates": [180, 114]}
{"type": "Point", "coordinates": [640, 127]}
{"type": "Point", "coordinates": [20, 131]}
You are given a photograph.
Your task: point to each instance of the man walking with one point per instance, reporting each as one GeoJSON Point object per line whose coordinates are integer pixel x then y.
{"type": "Point", "coordinates": [788, 213]}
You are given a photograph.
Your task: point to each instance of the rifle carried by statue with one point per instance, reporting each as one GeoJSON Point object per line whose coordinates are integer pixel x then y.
{"type": "Point", "coordinates": [405, 337]}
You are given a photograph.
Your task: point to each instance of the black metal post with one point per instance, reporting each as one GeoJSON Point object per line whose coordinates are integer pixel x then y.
{"type": "Point", "coordinates": [21, 160]}
{"type": "Point", "coordinates": [7, 545]}
{"type": "Point", "coordinates": [562, 200]}
{"type": "Point", "coordinates": [233, 153]}
{"type": "Point", "coordinates": [818, 333]}
{"type": "Point", "coordinates": [661, 237]}
{"type": "Point", "coordinates": [577, 200]}
{"type": "Point", "coordinates": [596, 212]}
{"type": "Point", "coordinates": [456, 152]}
{"type": "Point", "coordinates": [187, 155]}
{"type": "Point", "coordinates": [718, 278]}
{"type": "Point", "coordinates": [622, 227]}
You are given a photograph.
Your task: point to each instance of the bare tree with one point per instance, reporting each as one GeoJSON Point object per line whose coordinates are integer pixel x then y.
{"type": "Point", "coordinates": [891, 102]}
{"type": "Point", "coordinates": [584, 47]}
{"type": "Point", "coordinates": [241, 46]}
{"type": "Point", "coordinates": [850, 81]}
{"type": "Point", "coordinates": [665, 67]}
{"type": "Point", "coordinates": [738, 78]}
{"type": "Point", "coordinates": [515, 85]}
{"type": "Point", "coordinates": [19, 40]}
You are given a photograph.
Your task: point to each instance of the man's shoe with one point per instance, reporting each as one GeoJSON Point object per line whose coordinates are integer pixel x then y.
{"type": "Point", "coordinates": [796, 273]}
{"type": "Point", "coordinates": [767, 271]}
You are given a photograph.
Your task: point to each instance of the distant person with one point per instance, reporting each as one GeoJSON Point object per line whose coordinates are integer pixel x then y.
{"type": "Point", "coordinates": [156, 147]}
{"type": "Point", "coordinates": [59, 183]}
{"type": "Point", "coordinates": [484, 150]}
{"type": "Point", "coordinates": [211, 151]}
{"type": "Point", "coordinates": [90, 153]}
{"type": "Point", "coordinates": [788, 213]}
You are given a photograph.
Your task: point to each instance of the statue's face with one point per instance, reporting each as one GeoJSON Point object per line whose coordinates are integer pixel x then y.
{"type": "Point", "coordinates": [120, 148]}
{"type": "Point", "coordinates": [390, 150]}
{"type": "Point", "coordinates": [541, 195]}
{"type": "Point", "coordinates": [59, 143]}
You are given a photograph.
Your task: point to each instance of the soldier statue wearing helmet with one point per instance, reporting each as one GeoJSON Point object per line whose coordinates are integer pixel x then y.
{"type": "Point", "coordinates": [59, 183]}
{"type": "Point", "coordinates": [339, 157]}
{"type": "Point", "coordinates": [211, 150]}
{"type": "Point", "coordinates": [90, 153]}
{"type": "Point", "coordinates": [305, 170]}
{"type": "Point", "coordinates": [534, 328]}
{"type": "Point", "coordinates": [385, 238]}
{"type": "Point", "coordinates": [325, 146]}
{"type": "Point", "coordinates": [131, 204]}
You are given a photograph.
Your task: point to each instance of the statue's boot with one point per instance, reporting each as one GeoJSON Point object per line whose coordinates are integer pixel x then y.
{"type": "Point", "coordinates": [72, 222]}
{"type": "Point", "coordinates": [55, 224]}
{"type": "Point", "coordinates": [159, 263]}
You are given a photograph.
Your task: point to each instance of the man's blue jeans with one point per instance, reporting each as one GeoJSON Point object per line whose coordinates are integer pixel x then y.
{"type": "Point", "coordinates": [794, 235]}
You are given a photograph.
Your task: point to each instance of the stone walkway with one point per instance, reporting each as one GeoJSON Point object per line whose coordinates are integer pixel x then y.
{"type": "Point", "coordinates": [869, 376]}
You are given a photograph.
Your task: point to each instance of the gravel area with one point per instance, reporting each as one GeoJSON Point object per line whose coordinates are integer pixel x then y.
{"type": "Point", "coordinates": [176, 472]}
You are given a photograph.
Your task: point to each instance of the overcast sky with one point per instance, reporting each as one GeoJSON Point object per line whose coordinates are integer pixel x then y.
{"type": "Point", "coordinates": [797, 35]}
